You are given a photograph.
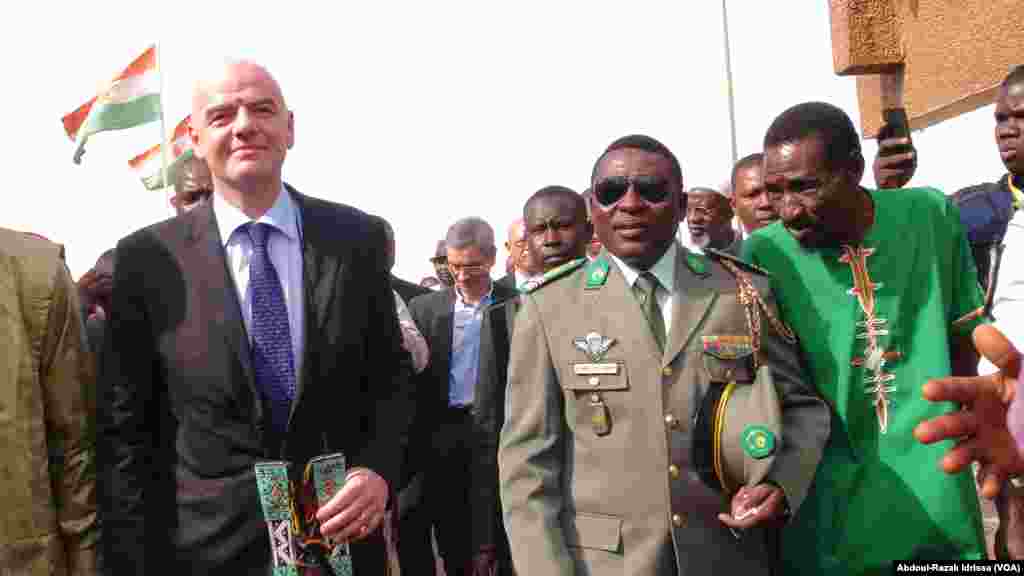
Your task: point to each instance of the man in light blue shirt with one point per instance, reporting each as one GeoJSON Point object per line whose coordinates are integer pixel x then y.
{"type": "Point", "coordinates": [445, 434]}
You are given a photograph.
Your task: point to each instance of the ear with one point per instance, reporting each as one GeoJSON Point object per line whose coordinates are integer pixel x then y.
{"type": "Point", "coordinates": [856, 167]}
{"type": "Point", "coordinates": [193, 136]}
{"type": "Point", "coordinates": [291, 129]}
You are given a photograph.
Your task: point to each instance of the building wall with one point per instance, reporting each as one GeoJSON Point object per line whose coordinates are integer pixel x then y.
{"type": "Point", "coordinates": [954, 53]}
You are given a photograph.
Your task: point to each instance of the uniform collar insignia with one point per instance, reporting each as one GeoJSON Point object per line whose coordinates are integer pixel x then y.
{"type": "Point", "coordinates": [597, 273]}
{"type": "Point", "coordinates": [697, 263]}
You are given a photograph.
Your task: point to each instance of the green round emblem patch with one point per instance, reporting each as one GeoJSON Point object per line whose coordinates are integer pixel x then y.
{"type": "Point", "coordinates": [758, 442]}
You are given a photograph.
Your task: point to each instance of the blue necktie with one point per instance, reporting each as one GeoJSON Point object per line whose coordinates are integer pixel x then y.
{"type": "Point", "coordinates": [272, 356]}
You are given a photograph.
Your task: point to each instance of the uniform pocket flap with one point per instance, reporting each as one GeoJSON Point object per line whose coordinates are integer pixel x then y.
{"type": "Point", "coordinates": [594, 531]}
{"type": "Point", "coordinates": [597, 376]}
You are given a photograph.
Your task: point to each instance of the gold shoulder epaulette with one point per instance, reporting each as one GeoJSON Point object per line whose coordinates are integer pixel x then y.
{"type": "Point", "coordinates": [742, 264]}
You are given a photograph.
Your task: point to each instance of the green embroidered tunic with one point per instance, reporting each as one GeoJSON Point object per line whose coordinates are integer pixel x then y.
{"type": "Point", "coordinates": [874, 322]}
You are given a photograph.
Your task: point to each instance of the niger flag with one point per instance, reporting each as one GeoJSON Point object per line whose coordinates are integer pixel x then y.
{"type": "Point", "coordinates": [149, 164]}
{"type": "Point", "coordinates": [130, 99]}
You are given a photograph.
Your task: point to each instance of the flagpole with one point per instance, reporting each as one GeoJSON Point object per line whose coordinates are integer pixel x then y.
{"type": "Point", "coordinates": [728, 82]}
{"type": "Point", "coordinates": [163, 124]}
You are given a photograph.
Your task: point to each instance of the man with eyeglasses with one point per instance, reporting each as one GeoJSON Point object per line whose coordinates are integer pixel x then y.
{"type": "Point", "coordinates": [609, 363]}
{"type": "Point", "coordinates": [446, 439]}
{"type": "Point", "coordinates": [882, 291]}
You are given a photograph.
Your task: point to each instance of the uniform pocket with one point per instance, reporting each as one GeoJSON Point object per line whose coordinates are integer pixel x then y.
{"type": "Point", "coordinates": [595, 531]}
{"type": "Point", "coordinates": [728, 358]}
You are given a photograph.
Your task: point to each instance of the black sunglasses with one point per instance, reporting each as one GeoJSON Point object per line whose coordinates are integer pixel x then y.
{"type": "Point", "coordinates": [652, 189]}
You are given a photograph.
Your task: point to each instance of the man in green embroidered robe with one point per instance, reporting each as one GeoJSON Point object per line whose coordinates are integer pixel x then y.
{"type": "Point", "coordinates": [881, 289]}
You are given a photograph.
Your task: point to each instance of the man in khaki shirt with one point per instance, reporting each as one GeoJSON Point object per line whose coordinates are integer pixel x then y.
{"type": "Point", "coordinates": [48, 433]}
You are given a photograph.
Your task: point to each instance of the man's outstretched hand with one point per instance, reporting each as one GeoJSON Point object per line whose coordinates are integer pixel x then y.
{"type": "Point", "coordinates": [992, 415]}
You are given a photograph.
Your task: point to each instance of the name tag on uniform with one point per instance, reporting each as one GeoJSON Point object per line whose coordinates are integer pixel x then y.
{"type": "Point", "coordinates": [596, 368]}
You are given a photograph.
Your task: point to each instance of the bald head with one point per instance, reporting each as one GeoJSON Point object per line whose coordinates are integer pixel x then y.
{"type": "Point", "coordinates": [241, 127]}
{"type": "Point", "coordinates": [211, 80]}
{"type": "Point", "coordinates": [516, 247]}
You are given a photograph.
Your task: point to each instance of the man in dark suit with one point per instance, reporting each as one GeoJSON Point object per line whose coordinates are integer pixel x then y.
{"type": "Point", "coordinates": [451, 321]}
{"type": "Point", "coordinates": [259, 326]}
{"type": "Point", "coordinates": [407, 290]}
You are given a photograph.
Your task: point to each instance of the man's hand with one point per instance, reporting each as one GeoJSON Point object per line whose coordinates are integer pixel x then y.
{"type": "Point", "coordinates": [484, 562]}
{"type": "Point", "coordinates": [991, 408]}
{"type": "Point", "coordinates": [357, 509]}
{"type": "Point", "coordinates": [895, 162]}
{"type": "Point", "coordinates": [87, 288]}
{"type": "Point", "coordinates": [753, 506]}
{"type": "Point", "coordinates": [94, 289]}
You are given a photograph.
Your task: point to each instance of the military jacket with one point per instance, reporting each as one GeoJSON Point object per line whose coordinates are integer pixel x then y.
{"type": "Point", "coordinates": [595, 463]}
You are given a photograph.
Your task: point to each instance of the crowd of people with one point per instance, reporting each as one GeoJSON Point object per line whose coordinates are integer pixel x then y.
{"type": "Point", "coordinates": [247, 388]}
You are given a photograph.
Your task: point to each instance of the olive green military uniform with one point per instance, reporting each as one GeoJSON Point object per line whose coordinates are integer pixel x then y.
{"type": "Point", "coordinates": [47, 432]}
{"type": "Point", "coordinates": [595, 456]}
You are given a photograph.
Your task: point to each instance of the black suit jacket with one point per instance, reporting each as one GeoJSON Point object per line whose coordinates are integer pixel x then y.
{"type": "Point", "coordinates": [182, 421]}
{"type": "Point", "coordinates": [433, 316]}
{"type": "Point", "coordinates": [407, 290]}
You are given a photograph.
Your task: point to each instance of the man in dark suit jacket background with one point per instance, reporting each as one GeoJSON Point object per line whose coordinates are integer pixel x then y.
{"type": "Point", "coordinates": [407, 290]}
{"type": "Point", "coordinates": [258, 326]}
{"type": "Point", "coordinates": [449, 439]}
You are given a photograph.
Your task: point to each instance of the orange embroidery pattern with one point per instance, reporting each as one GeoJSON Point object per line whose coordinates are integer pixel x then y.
{"type": "Point", "coordinates": [878, 383]}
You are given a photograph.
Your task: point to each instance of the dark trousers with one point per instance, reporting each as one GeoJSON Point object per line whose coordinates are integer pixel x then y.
{"type": "Point", "coordinates": [445, 502]}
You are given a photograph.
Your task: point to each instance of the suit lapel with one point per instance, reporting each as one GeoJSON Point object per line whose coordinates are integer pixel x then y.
{"type": "Point", "coordinates": [207, 263]}
{"type": "Point", "coordinates": [691, 304]}
{"type": "Point", "coordinates": [321, 270]}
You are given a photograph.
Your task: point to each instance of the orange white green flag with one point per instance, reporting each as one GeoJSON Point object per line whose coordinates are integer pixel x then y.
{"type": "Point", "coordinates": [149, 165]}
{"type": "Point", "coordinates": [131, 99]}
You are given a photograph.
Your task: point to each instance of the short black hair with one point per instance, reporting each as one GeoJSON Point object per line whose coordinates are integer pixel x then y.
{"type": "Point", "coordinates": [647, 144]}
{"type": "Point", "coordinates": [742, 164]}
{"type": "Point", "coordinates": [827, 122]}
{"type": "Point", "coordinates": [381, 221]}
{"type": "Point", "coordinates": [1016, 76]}
{"type": "Point", "coordinates": [556, 191]}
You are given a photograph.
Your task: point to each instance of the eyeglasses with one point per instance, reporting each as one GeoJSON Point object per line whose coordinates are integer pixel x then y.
{"type": "Point", "coordinates": [439, 260]}
{"type": "Point", "coordinates": [652, 189]}
{"type": "Point", "coordinates": [467, 269]}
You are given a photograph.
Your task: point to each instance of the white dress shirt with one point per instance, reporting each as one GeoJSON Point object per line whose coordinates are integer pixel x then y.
{"type": "Point", "coordinates": [284, 245]}
{"type": "Point", "coordinates": [665, 271]}
{"type": "Point", "coordinates": [412, 340]}
{"type": "Point", "coordinates": [1008, 299]}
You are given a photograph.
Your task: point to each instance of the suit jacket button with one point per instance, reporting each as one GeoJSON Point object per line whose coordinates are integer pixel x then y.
{"type": "Point", "coordinates": [679, 520]}
{"type": "Point", "coordinates": [673, 471]}
{"type": "Point", "coordinates": [666, 371]}
{"type": "Point", "coordinates": [671, 421]}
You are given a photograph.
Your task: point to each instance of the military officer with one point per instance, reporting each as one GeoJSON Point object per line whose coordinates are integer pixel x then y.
{"type": "Point", "coordinates": [609, 367]}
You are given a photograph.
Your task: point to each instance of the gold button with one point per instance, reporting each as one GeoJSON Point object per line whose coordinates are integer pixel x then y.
{"type": "Point", "coordinates": [595, 397]}
{"type": "Point", "coordinates": [671, 421]}
{"type": "Point", "coordinates": [673, 471]}
{"type": "Point", "coordinates": [666, 371]}
{"type": "Point", "coordinates": [594, 380]}
{"type": "Point", "coordinates": [678, 520]}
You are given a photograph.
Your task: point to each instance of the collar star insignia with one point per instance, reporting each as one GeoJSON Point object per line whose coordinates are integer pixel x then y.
{"type": "Point", "coordinates": [594, 345]}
